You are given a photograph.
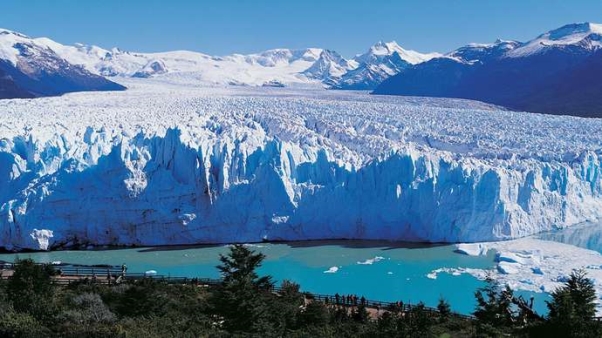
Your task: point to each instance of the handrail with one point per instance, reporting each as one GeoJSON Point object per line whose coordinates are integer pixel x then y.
{"type": "Point", "coordinates": [70, 274]}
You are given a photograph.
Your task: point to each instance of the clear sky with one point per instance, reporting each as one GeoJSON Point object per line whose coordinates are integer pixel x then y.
{"type": "Point", "coordinates": [220, 27]}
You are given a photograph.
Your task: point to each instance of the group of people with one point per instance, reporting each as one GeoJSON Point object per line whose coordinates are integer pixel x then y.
{"type": "Point", "coordinates": [348, 299]}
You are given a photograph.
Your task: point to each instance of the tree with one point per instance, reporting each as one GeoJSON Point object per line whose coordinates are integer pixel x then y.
{"type": "Point", "coordinates": [494, 313]}
{"type": "Point", "coordinates": [314, 314]}
{"type": "Point", "coordinates": [443, 308]}
{"type": "Point", "coordinates": [240, 299]}
{"type": "Point", "coordinates": [573, 306]}
{"type": "Point", "coordinates": [420, 322]}
{"type": "Point", "coordinates": [29, 289]}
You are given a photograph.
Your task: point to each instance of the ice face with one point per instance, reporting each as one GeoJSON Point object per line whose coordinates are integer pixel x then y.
{"type": "Point", "coordinates": [164, 164]}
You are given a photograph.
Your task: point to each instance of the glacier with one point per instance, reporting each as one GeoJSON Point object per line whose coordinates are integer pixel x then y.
{"type": "Point", "coordinates": [164, 163]}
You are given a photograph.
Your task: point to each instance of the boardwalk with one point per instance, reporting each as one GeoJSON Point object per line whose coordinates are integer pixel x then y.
{"type": "Point", "coordinates": [113, 275]}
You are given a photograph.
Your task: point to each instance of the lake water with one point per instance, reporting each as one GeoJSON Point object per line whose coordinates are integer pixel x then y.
{"type": "Point", "coordinates": [586, 235]}
{"type": "Point", "coordinates": [377, 270]}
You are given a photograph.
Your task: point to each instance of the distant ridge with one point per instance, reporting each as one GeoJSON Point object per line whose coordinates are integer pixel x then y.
{"type": "Point", "coordinates": [28, 69]}
{"type": "Point", "coordinates": [559, 72]}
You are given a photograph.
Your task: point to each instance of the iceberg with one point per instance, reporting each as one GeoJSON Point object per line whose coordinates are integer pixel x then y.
{"type": "Point", "coordinates": [169, 164]}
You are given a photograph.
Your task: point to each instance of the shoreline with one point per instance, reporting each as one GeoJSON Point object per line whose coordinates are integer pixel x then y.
{"type": "Point", "coordinates": [348, 243]}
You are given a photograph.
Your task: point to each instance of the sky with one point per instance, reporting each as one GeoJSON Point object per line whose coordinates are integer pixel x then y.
{"type": "Point", "coordinates": [221, 27]}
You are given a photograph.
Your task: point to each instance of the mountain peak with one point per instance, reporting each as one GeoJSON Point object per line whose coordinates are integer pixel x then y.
{"type": "Point", "coordinates": [385, 48]}
{"type": "Point", "coordinates": [585, 36]}
{"type": "Point", "coordinates": [4, 31]}
{"type": "Point", "coordinates": [572, 30]}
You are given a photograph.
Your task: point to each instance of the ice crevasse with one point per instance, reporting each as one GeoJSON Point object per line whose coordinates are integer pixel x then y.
{"type": "Point", "coordinates": [217, 183]}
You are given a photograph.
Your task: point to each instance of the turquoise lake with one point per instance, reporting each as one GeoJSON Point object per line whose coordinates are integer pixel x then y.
{"type": "Point", "coordinates": [400, 272]}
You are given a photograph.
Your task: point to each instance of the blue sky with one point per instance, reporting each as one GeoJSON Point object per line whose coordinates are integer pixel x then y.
{"type": "Point", "coordinates": [225, 26]}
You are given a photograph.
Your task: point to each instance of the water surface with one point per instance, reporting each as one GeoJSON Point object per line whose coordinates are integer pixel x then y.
{"type": "Point", "coordinates": [377, 270]}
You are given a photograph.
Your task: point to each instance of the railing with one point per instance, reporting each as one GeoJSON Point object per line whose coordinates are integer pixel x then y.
{"type": "Point", "coordinates": [70, 274]}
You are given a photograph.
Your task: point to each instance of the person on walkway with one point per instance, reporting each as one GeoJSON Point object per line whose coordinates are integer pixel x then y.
{"type": "Point", "coordinates": [124, 268]}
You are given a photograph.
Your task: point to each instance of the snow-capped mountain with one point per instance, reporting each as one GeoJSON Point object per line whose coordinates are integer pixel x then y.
{"type": "Point", "coordinates": [29, 69]}
{"type": "Point", "coordinates": [330, 67]}
{"type": "Point", "coordinates": [579, 38]}
{"type": "Point", "coordinates": [380, 62]}
{"type": "Point", "coordinates": [558, 72]}
{"type": "Point", "coordinates": [277, 67]}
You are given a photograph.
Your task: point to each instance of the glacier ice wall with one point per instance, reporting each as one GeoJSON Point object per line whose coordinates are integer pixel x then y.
{"type": "Point", "coordinates": [246, 173]}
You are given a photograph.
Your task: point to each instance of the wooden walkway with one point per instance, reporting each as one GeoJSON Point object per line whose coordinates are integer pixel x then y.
{"type": "Point", "coordinates": [70, 274]}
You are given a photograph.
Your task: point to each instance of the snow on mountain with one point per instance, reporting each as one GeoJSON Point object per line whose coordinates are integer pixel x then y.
{"type": "Point", "coordinates": [305, 67]}
{"type": "Point", "coordinates": [329, 67]}
{"type": "Point", "coordinates": [277, 65]}
{"type": "Point", "coordinates": [380, 62]}
{"type": "Point", "coordinates": [154, 67]}
{"type": "Point", "coordinates": [382, 50]}
{"type": "Point", "coordinates": [584, 36]}
{"type": "Point", "coordinates": [29, 69]}
{"type": "Point", "coordinates": [559, 72]}
{"type": "Point", "coordinates": [172, 164]}
{"type": "Point", "coordinates": [483, 52]}
{"type": "Point", "coordinates": [272, 66]}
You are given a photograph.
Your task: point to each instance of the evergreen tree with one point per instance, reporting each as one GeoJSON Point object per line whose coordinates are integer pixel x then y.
{"type": "Point", "coordinates": [240, 299]}
{"type": "Point", "coordinates": [443, 308]}
{"type": "Point", "coordinates": [573, 307]}
{"type": "Point", "coordinates": [494, 313]}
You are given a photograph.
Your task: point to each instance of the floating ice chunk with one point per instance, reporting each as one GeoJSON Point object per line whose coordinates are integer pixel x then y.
{"type": "Point", "coordinates": [371, 260]}
{"type": "Point", "coordinates": [508, 268]}
{"type": "Point", "coordinates": [42, 238]}
{"type": "Point", "coordinates": [432, 275]}
{"type": "Point", "coordinates": [150, 273]}
{"type": "Point", "coordinates": [523, 258]}
{"type": "Point", "coordinates": [332, 269]}
{"type": "Point", "coordinates": [472, 249]}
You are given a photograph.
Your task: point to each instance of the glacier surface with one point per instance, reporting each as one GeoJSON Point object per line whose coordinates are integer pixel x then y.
{"type": "Point", "coordinates": [164, 163]}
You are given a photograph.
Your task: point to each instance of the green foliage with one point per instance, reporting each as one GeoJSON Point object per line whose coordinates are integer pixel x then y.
{"type": "Point", "coordinates": [29, 289]}
{"type": "Point", "coordinates": [443, 308]}
{"type": "Point", "coordinates": [360, 314]}
{"type": "Point", "coordinates": [88, 309]}
{"type": "Point", "coordinates": [573, 307]}
{"type": "Point", "coordinates": [247, 305]}
{"type": "Point", "coordinates": [493, 312]}
{"type": "Point", "coordinates": [314, 314]}
{"type": "Point", "coordinates": [420, 321]}
{"type": "Point", "coordinates": [240, 300]}
{"type": "Point", "coordinates": [238, 268]}
{"type": "Point", "coordinates": [16, 324]}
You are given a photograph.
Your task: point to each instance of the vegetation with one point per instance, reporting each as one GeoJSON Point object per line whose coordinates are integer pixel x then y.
{"type": "Point", "coordinates": [248, 305]}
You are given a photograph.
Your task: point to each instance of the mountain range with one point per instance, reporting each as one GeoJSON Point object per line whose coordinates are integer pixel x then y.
{"type": "Point", "coordinates": [558, 72]}
{"type": "Point", "coordinates": [276, 67]}
{"type": "Point", "coordinates": [28, 69]}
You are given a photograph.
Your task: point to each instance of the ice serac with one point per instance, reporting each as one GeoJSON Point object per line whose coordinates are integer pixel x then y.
{"type": "Point", "coordinates": [254, 167]}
